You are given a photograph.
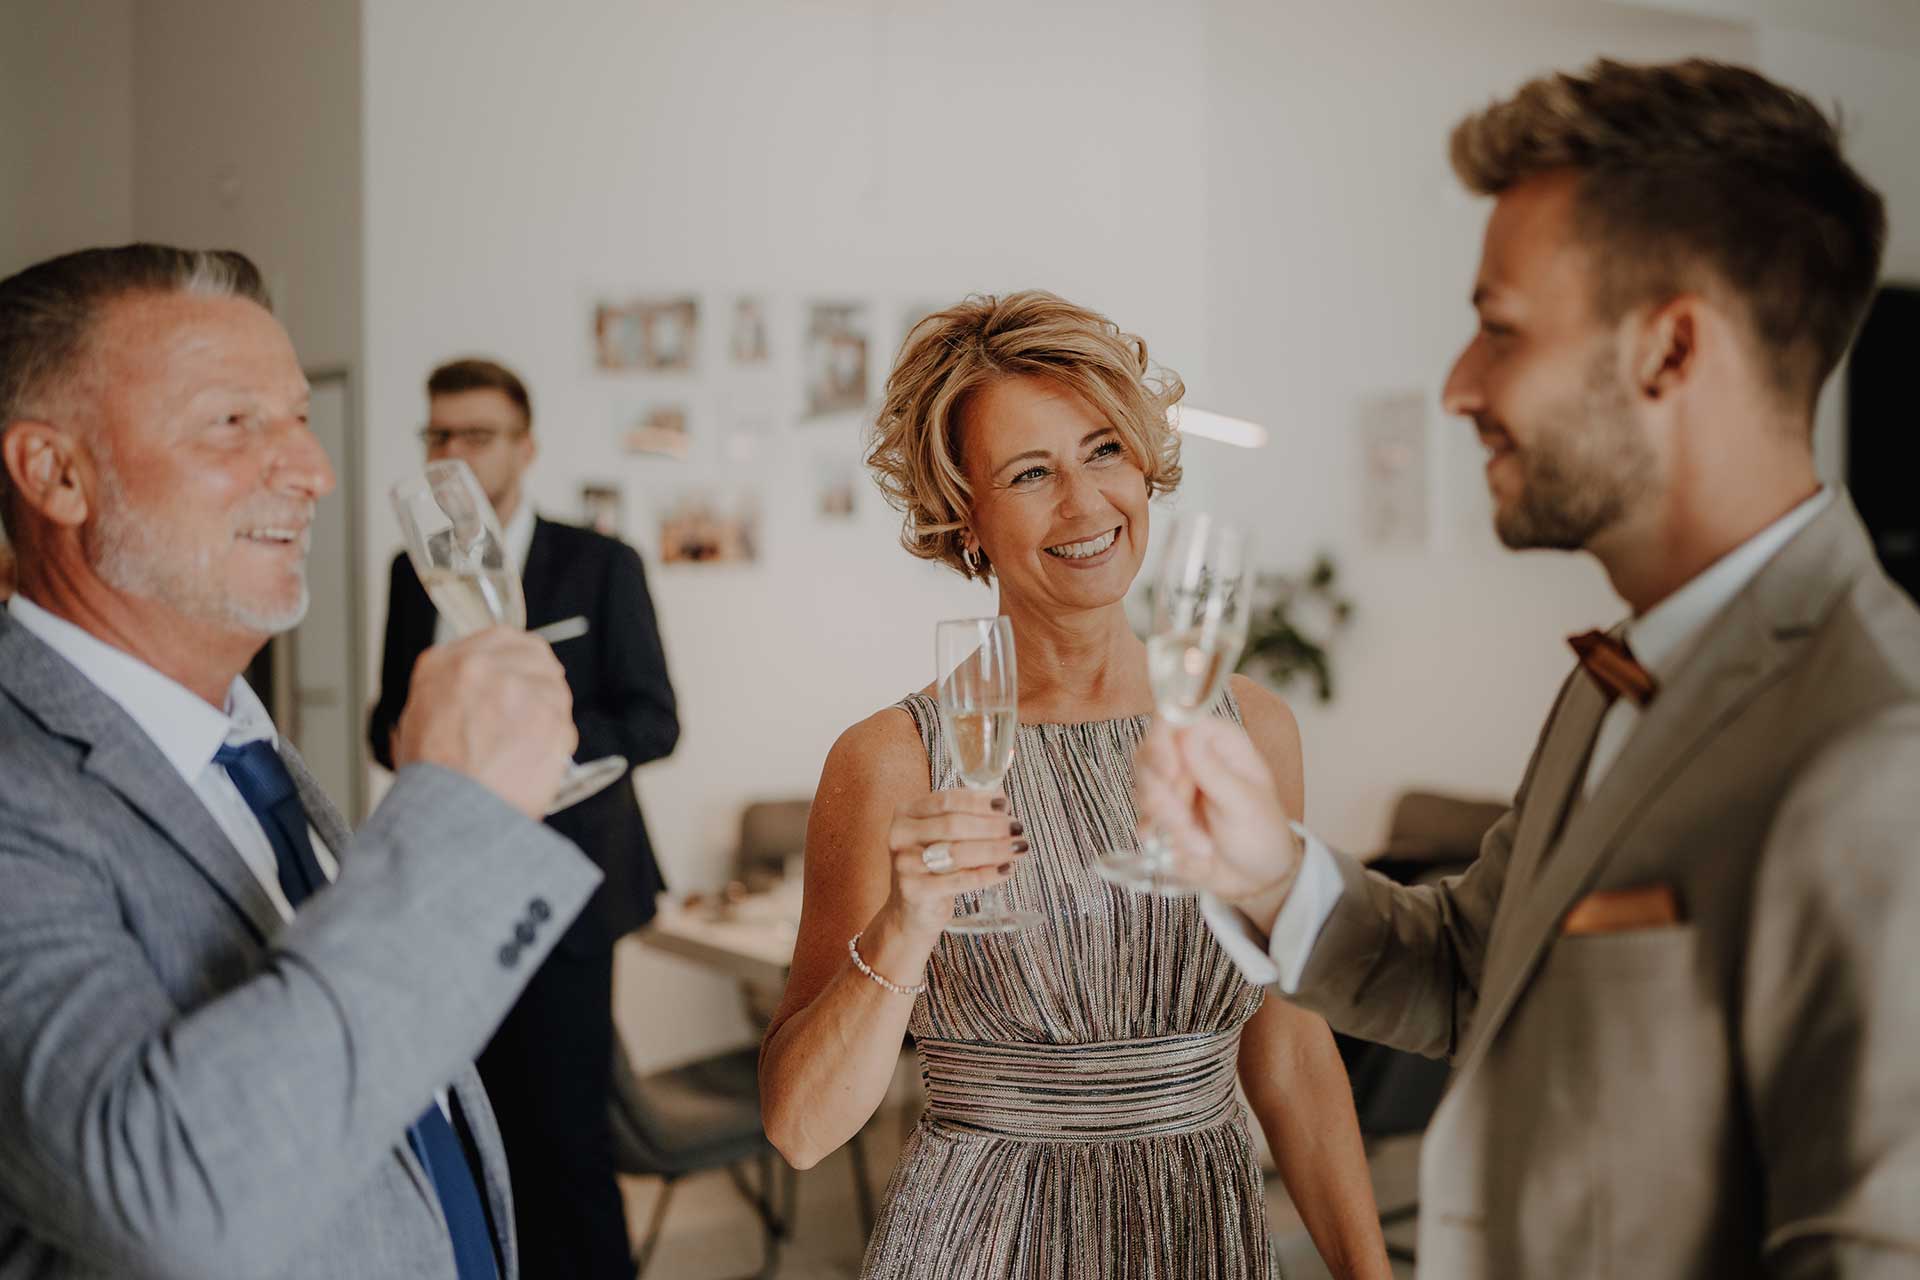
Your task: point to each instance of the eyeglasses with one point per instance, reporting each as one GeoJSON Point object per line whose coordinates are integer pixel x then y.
{"type": "Point", "coordinates": [465, 437]}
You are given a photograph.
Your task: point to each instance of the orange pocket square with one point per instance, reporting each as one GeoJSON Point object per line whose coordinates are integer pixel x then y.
{"type": "Point", "coordinates": [1647, 906]}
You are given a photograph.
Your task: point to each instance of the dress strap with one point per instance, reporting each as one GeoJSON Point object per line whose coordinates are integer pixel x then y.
{"type": "Point", "coordinates": [926, 718]}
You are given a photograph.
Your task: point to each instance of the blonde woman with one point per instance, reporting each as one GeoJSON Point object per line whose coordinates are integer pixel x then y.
{"type": "Point", "coordinates": [1081, 1118]}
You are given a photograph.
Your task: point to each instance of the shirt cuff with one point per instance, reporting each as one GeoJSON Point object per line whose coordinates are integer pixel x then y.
{"type": "Point", "coordinates": [1283, 960]}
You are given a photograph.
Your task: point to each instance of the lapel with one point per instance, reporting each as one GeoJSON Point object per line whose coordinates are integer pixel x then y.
{"type": "Point", "coordinates": [538, 582]}
{"type": "Point", "coordinates": [118, 753]}
{"type": "Point", "coordinates": [321, 813]}
{"type": "Point", "coordinates": [477, 1113]}
{"type": "Point", "coordinates": [1748, 644]}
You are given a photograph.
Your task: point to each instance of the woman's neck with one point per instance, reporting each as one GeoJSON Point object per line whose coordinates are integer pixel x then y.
{"type": "Point", "coordinates": [1079, 666]}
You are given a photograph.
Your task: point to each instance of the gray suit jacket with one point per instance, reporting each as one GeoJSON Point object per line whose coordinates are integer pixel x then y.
{"type": "Point", "coordinates": [1734, 1095]}
{"type": "Point", "coordinates": [191, 1088]}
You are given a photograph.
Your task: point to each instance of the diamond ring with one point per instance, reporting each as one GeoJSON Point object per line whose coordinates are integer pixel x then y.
{"type": "Point", "coordinates": [938, 857]}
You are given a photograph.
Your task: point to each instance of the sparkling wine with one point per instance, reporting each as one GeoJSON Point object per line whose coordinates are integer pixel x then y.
{"type": "Point", "coordinates": [474, 601]}
{"type": "Point", "coordinates": [982, 743]}
{"type": "Point", "coordinates": [1188, 673]}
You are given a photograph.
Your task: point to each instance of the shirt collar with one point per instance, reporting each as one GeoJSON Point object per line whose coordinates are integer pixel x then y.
{"type": "Point", "coordinates": [519, 535]}
{"type": "Point", "coordinates": [185, 728]}
{"type": "Point", "coordinates": [1661, 636]}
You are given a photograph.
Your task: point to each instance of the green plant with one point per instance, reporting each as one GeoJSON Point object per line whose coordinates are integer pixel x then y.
{"type": "Point", "coordinates": [1280, 648]}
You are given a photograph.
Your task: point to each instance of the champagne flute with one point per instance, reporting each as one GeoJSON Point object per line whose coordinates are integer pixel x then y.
{"type": "Point", "coordinates": [1202, 599]}
{"type": "Point", "coordinates": [453, 538]}
{"type": "Point", "coordinates": [979, 699]}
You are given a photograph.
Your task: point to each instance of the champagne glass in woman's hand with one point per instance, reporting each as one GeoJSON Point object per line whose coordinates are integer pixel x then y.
{"type": "Point", "coordinates": [1201, 602]}
{"type": "Point", "coordinates": [453, 538]}
{"type": "Point", "coordinates": [979, 695]}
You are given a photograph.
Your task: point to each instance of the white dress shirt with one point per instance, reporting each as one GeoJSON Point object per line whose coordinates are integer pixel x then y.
{"type": "Point", "coordinates": [518, 536]}
{"type": "Point", "coordinates": [188, 730]}
{"type": "Point", "coordinates": [1661, 639]}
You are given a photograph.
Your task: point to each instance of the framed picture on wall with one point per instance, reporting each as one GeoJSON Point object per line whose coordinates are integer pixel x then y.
{"type": "Point", "coordinates": [836, 481]}
{"type": "Point", "coordinates": [660, 429]}
{"type": "Point", "coordinates": [603, 508]}
{"type": "Point", "coordinates": [836, 358]}
{"type": "Point", "coordinates": [747, 343]}
{"type": "Point", "coordinates": [656, 334]}
{"type": "Point", "coordinates": [698, 530]}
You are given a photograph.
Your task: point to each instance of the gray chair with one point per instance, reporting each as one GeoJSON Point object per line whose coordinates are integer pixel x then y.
{"type": "Point", "coordinates": [771, 831]}
{"type": "Point", "coordinates": [693, 1119]}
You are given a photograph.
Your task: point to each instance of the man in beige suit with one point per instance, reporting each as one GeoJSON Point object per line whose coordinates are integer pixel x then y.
{"type": "Point", "coordinates": [1681, 985]}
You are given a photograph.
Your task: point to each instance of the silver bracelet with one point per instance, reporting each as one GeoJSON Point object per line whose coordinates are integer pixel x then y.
{"type": "Point", "coordinates": [853, 949]}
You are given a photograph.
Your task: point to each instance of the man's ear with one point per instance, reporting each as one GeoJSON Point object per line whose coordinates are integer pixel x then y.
{"type": "Point", "coordinates": [47, 471]}
{"type": "Point", "coordinates": [1667, 347]}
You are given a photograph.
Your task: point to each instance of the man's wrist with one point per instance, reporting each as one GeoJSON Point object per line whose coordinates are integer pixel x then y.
{"type": "Point", "coordinates": [1262, 906]}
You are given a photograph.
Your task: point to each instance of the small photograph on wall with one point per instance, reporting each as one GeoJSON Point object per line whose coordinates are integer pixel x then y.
{"type": "Point", "coordinates": [697, 530]}
{"type": "Point", "coordinates": [748, 341]}
{"type": "Point", "coordinates": [659, 335]}
{"type": "Point", "coordinates": [1393, 445]}
{"type": "Point", "coordinates": [660, 429]}
{"type": "Point", "coordinates": [603, 508]}
{"type": "Point", "coordinates": [836, 482]}
{"type": "Point", "coordinates": [836, 358]}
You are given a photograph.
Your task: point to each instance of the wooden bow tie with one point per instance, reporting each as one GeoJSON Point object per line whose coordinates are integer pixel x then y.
{"type": "Point", "coordinates": [1614, 668]}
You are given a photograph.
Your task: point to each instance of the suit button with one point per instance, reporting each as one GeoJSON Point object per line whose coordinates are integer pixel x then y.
{"type": "Point", "coordinates": [523, 934]}
{"type": "Point", "coordinates": [539, 910]}
{"type": "Point", "coordinates": [509, 956]}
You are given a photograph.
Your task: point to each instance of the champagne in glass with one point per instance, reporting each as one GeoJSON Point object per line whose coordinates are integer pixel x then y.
{"type": "Point", "coordinates": [1202, 599]}
{"type": "Point", "coordinates": [980, 709]}
{"type": "Point", "coordinates": [454, 540]}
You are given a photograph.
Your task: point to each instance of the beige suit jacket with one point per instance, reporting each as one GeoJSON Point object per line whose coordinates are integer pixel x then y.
{"type": "Point", "coordinates": [1735, 1095]}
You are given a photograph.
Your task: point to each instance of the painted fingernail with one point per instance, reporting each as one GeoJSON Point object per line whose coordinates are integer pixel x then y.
{"type": "Point", "coordinates": [1020, 846]}
{"type": "Point", "coordinates": [1019, 828]}
{"type": "Point", "coordinates": [1000, 803]}
{"type": "Point", "coordinates": [1005, 867]}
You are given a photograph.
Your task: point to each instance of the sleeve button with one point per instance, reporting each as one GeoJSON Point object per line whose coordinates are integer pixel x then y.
{"type": "Point", "coordinates": [539, 910]}
{"type": "Point", "coordinates": [509, 956]}
{"type": "Point", "coordinates": [523, 934]}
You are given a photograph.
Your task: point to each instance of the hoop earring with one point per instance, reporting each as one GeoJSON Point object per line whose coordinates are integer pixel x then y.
{"type": "Point", "coordinates": [971, 559]}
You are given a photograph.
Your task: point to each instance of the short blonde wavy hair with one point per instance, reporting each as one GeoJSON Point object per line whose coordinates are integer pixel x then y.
{"type": "Point", "coordinates": [916, 451]}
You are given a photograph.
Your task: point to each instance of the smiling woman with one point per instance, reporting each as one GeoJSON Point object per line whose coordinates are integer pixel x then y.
{"type": "Point", "coordinates": [1022, 438]}
{"type": "Point", "coordinates": [969, 352]}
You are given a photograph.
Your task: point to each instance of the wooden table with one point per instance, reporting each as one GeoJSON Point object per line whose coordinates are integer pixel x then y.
{"type": "Point", "coordinates": [752, 941]}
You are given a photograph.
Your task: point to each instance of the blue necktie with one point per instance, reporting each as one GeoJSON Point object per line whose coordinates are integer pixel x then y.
{"type": "Point", "coordinates": [267, 787]}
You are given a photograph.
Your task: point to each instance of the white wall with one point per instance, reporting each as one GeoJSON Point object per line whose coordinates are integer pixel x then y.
{"type": "Point", "coordinates": [66, 127]}
{"type": "Point", "coordinates": [247, 136]}
{"type": "Point", "coordinates": [522, 163]}
{"type": "Point", "coordinates": [1261, 189]}
{"type": "Point", "coordinates": [1341, 252]}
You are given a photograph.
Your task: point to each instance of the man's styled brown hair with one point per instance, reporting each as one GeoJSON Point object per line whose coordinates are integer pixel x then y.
{"type": "Point", "coordinates": [1700, 177]}
{"type": "Point", "coordinates": [475, 374]}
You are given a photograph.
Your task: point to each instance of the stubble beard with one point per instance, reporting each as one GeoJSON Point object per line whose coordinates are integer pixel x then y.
{"type": "Point", "coordinates": [140, 558]}
{"type": "Point", "coordinates": [1586, 469]}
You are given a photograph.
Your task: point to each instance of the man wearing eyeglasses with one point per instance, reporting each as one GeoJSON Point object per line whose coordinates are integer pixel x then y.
{"type": "Point", "coordinates": [547, 1068]}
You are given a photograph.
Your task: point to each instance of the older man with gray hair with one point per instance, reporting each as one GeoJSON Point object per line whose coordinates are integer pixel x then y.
{"type": "Point", "coordinates": [234, 1035]}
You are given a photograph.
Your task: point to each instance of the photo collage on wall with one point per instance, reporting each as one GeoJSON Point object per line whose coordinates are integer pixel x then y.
{"type": "Point", "coordinates": [726, 388]}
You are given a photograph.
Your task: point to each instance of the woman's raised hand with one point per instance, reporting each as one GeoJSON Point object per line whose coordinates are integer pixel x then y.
{"type": "Point", "coordinates": [948, 843]}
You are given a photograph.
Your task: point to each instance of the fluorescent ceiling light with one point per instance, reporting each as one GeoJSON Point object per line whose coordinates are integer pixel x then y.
{"type": "Point", "coordinates": [1190, 421]}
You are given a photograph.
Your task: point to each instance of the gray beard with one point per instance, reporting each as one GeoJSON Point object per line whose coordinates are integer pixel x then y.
{"type": "Point", "coordinates": [136, 559]}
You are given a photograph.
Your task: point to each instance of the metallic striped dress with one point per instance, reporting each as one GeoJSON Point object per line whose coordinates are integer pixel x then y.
{"type": "Point", "coordinates": [1081, 1115]}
